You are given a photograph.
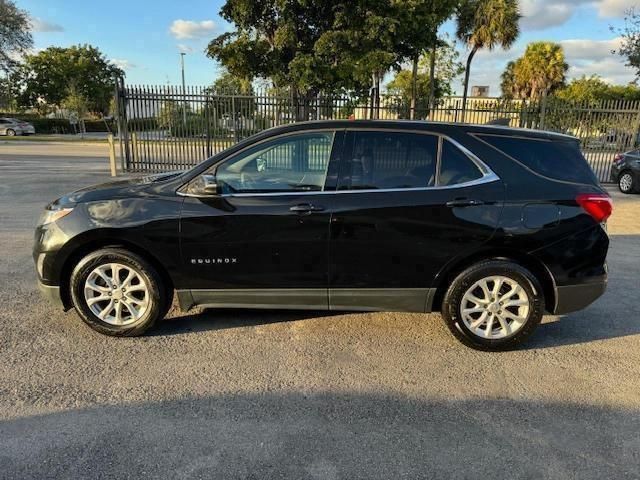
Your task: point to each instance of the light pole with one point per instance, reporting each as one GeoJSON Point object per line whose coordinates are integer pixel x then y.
{"type": "Point", "coordinates": [184, 90]}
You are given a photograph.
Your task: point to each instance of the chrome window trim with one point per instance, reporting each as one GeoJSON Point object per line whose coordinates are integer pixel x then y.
{"type": "Point", "coordinates": [488, 176]}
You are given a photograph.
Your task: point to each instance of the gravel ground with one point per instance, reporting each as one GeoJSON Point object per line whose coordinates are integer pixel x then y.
{"type": "Point", "coordinates": [250, 394]}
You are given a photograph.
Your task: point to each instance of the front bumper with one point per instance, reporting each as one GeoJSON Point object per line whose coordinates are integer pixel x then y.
{"type": "Point", "coordinates": [571, 298]}
{"type": "Point", "coordinates": [51, 293]}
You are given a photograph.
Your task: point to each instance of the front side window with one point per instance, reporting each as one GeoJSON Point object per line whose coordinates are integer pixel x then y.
{"type": "Point", "coordinates": [296, 163]}
{"type": "Point", "coordinates": [455, 166]}
{"type": "Point", "coordinates": [391, 160]}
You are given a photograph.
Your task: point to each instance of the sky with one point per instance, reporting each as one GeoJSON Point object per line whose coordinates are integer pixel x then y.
{"type": "Point", "coordinates": [145, 37]}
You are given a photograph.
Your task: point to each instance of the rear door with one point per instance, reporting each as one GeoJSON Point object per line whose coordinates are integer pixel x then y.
{"type": "Point", "coordinates": [407, 203]}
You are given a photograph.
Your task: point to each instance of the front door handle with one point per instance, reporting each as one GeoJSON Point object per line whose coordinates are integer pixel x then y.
{"type": "Point", "coordinates": [305, 208]}
{"type": "Point", "coordinates": [464, 202]}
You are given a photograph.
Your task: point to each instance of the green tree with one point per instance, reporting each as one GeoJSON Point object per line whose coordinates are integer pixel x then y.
{"type": "Point", "coordinates": [232, 96]}
{"type": "Point", "coordinates": [447, 68]}
{"type": "Point", "coordinates": [630, 33]}
{"type": "Point", "coordinates": [584, 90]}
{"type": "Point", "coordinates": [48, 74]}
{"type": "Point", "coordinates": [418, 33]}
{"type": "Point", "coordinates": [323, 47]}
{"type": "Point", "coordinates": [539, 72]}
{"type": "Point", "coordinates": [15, 34]}
{"type": "Point", "coordinates": [594, 89]}
{"type": "Point", "coordinates": [486, 24]}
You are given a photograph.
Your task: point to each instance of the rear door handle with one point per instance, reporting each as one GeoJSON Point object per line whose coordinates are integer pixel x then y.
{"type": "Point", "coordinates": [464, 202]}
{"type": "Point", "coordinates": [306, 208]}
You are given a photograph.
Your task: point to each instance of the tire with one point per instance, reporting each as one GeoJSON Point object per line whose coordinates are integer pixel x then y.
{"type": "Point", "coordinates": [147, 294]}
{"type": "Point", "coordinates": [10, 132]}
{"type": "Point", "coordinates": [627, 183]}
{"type": "Point", "coordinates": [468, 327]}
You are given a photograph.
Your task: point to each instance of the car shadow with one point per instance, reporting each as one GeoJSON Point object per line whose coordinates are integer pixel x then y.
{"type": "Point", "coordinates": [225, 318]}
{"type": "Point", "coordinates": [323, 435]}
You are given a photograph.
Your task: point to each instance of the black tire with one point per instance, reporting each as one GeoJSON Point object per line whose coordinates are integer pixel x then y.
{"type": "Point", "coordinates": [159, 295]}
{"type": "Point", "coordinates": [632, 187]}
{"type": "Point", "coordinates": [452, 303]}
{"type": "Point", "coordinates": [10, 132]}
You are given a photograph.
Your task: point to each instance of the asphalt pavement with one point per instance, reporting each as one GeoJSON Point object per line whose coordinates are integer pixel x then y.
{"type": "Point", "coordinates": [252, 394]}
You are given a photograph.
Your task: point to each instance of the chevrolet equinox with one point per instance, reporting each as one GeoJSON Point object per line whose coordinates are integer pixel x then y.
{"type": "Point", "coordinates": [490, 225]}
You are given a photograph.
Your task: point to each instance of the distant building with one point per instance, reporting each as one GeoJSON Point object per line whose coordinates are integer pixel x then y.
{"type": "Point", "coordinates": [480, 91]}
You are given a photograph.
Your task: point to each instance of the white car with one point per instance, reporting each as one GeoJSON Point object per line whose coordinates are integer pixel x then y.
{"type": "Point", "coordinates": [12, 127]}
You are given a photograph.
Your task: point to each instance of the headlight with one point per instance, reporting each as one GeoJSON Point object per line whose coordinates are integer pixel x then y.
{"type": "Point", "coordinates": [50, 216]}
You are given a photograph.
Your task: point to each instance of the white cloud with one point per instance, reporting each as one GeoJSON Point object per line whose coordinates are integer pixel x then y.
{"type": "Point", "coordinates": [187, 29]}
{"type": "Point", "coordinates": [123, 64]}
{"type": "Point", "coordinates": [592, 50]}
{"type": "Point", "coordinates": [40, 25]}
{"type": "Point", "coordinates": [185, 48]}
{"type": "Point", "coordinates": [615, 8]}
{"type": "Point", "coordinates": [611, 70]}
{"type": "Point", "coordinates": [541, 14]}
{"type": "Point", "coordinates": [584, 56]}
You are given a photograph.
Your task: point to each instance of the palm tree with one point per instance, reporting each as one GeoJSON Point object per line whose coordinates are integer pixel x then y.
{"type": "Point", "coordinates": [543, 67]}
{"type": "Point", "coordinates": [486, 24]}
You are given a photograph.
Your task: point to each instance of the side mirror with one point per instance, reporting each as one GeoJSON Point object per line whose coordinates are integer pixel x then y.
{"type": "Point", "coordinates": [204, 186]}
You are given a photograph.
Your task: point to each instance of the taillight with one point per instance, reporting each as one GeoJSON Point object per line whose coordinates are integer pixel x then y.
{"type": "Point", "coordinates": [617, 157]}
{"type": "Point", "coordinates": [598, 205]}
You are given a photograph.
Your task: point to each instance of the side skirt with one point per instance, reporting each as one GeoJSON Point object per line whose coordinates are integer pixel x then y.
{"type": "Point", "coordinates": [340, 299]}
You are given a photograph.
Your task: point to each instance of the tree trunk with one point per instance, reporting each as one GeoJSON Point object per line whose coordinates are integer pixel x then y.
{"type": "Point", "coordinates": [432, 77]}
{"type": "Point", "coordinates": [414, 88]}
{"type": "Point", "coordinates": [467, 71]}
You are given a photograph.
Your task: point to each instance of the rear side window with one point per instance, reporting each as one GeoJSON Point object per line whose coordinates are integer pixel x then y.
{"type": "Point", "coordinates": [558, 159]}
{"type": "Point", "coordinates": [390, 160]}
{"type": "Point", "coordinates": [455, 166]}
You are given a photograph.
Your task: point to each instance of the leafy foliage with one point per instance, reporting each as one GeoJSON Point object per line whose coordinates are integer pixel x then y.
{"type": "Point", "coordinates": [540, 71]}
{"type": "Point", "coordinates": [630, 33]}
{"type": "Point", "coordinates": [486, 24]}
{"type": "Point", "coordinates": [48, 75]}
{"type": "Point", "coordinates": [448, 68]}
{"type": "Point", "coordinates": [593, 90]}
{"type": "Point", "coordinates": [327, 47]}
{"type": "Point", "coordinates": [15, 34]}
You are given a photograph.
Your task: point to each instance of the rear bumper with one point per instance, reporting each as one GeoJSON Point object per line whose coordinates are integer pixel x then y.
{"type": "Point", "coordinates": [571, 298]}
{"type": "Point", "coordinates": [51, 293]}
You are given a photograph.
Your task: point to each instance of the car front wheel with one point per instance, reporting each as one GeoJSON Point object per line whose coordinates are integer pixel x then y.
{"type": "Point", "coordinates": [117, 292]}
{"type": "Point", "coordinates": [493, 305]}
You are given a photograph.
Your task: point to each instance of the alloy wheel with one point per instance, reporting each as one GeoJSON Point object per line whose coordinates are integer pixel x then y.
{"type": "Point", "coordinates": [626, 182]}
{"type": "Point", "coordinates": [116, 294]}
{"type": "Point", "coordinates": [495, 307]}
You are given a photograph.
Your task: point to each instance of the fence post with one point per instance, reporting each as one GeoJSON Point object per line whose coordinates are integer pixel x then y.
{"type": "Point", "coordinates": [112, 155]}
{"type": "Point", "coordinates": [543, 110]}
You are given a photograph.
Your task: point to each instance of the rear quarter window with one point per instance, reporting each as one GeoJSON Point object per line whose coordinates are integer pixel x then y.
{"type": "Point", "coordinates": [557, 159]}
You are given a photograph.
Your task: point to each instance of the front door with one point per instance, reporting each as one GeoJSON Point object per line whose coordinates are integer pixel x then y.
{"type": "Point", "coordinates": [407, 203]}
{"type": "Point", "coordinates": [264, 240]}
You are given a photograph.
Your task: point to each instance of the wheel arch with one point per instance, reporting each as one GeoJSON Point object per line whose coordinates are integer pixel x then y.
{"type": "Point", "coordinates": [535, 266]}
{"type": "Point", "coordinates": [92, 245]}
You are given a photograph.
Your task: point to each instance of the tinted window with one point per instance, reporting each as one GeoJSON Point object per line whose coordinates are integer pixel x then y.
{"type": "Point", "coordinates": [294, 163]}
{"type": "Point", "coordinates": [456, 166]}
{"type": "Point", "coordinates": [383, 160]}
{"type": "Point", "coordinates": [559, 159]}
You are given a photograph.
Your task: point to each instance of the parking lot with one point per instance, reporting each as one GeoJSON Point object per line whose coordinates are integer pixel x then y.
{"type": "Point", "coordinates": [254, 394]}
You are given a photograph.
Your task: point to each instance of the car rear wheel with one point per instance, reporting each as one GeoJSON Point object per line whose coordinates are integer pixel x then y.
{"type": "Point", "coordinates": [626, 183]}
{"type": "Point", "coordinates": [117, 292]}
{"type": "Point", "coordinates": [493, 305]}
{"type": "Point", "coordinates": [11, 132]}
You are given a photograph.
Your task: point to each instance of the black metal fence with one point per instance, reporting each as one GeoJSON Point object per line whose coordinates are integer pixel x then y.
{"type": "Point", "coordinates": [165, 128]}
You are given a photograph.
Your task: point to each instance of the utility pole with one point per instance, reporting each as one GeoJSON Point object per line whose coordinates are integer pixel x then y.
{"type": "Point", "coordinates": [184, 90]}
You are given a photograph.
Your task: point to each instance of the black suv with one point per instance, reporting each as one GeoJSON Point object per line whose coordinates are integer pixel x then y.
{"type": "Point", "coordinates": [490, 225]}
